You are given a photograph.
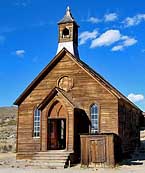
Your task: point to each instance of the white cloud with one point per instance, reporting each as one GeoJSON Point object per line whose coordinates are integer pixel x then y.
{"type": "Point", "coordinates": [110, 17]}
{"type": "Point", "coordinates": [117, 48]}
{"type": "Point", "coordinates": [2, 39]}
{"type": "Point", "coordinates": [86, 35]}
{"type": "Point", "coordinates": [106, 39]}
{"type": "Point", "coordinates": [135, 97]}
{"type": "Point", "coordinates": [93, 20]}
{"type": "Point", "coordinates": [135, 20]}
{"type": "Point", "coordinates": [128, 41]}
{"type": "Point", "coordinates": [20, 53]}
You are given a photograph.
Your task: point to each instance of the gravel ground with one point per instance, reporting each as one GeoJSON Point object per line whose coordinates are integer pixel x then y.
{"type": "Point", "coordinates": [74, 170]}
{"type": "Point", "coordinates": [8, 164]}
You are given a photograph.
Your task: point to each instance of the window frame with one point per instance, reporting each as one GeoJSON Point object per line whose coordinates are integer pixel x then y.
{"type": "Point", "coordinates": [98, 118]}
{"type": "Point", "coordinates": [36, 120]}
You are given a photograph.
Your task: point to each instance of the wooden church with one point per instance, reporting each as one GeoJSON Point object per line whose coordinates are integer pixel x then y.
{"type": "Point", "coordinates": [70, 113]}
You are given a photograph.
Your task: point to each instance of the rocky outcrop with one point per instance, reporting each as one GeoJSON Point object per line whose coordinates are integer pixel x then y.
{"type": "Point", "coordinates": [8, 129]}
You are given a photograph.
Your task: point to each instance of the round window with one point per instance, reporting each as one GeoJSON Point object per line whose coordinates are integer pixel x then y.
{"type": "Point", "coordinates": [65, 83]}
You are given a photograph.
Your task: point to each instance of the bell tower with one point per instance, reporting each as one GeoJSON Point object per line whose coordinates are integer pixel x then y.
{"type": "Point", "coordinates": [68, 34]}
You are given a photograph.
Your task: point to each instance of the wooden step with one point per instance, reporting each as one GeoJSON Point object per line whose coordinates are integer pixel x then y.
{"type": "Point", "coordinates": [50, 159]}
{"type": "Point", "coordinates": [60, 159]}
{"type": "Point", "coordinates": [51, 154]}
{"type": "Point", "coordinates": [47, 165]}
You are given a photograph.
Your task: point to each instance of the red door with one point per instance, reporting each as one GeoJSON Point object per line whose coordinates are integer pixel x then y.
{"type": "Point", "coordinates": [56, 134]}
{"type": "Point", "coordinates": [53, 134]}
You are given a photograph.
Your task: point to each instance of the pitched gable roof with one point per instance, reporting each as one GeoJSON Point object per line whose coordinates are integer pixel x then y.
{"type": "Point", "coordinates": [84, 66]}
{"type": "Point", "coordinates": [40, 76]}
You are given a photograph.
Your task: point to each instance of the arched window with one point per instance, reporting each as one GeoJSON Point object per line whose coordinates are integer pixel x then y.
{"type": "Point", "coordinates": [36, 131]}
{"type": "Point", "coordinates": [65, 33]}
{"type": "Point", "coordinates": [94, 118]}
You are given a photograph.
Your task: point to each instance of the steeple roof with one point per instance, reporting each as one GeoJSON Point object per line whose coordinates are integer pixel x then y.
{"type": "Point", "coordinates": [68, 18]}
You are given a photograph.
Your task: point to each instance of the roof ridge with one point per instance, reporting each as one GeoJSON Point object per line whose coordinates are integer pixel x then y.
{"type": "Point", "coordinates": [85, 66]}
{"type": "Point", "coordinates": [108, 83]}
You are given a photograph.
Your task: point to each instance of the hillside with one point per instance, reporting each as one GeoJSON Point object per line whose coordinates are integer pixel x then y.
{"type": "Point", "coordinates": [7, 128]}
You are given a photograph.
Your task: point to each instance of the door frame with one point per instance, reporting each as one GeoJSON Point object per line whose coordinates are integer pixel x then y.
{"type": "Point", "coordinates": [48, 132]}
{"type": "Point", "coordinates": [69, 116]}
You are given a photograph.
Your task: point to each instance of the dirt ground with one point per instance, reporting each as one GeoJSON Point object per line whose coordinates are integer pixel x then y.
{"type": "Point", "coordinates": [8, 164]}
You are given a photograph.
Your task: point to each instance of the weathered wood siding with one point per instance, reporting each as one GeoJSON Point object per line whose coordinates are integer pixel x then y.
{"type": "Point", "coordinates": [86, 91]}
{"type": "Point", "coordinates": [129, 127]}
{"type": "Point", "coordinates": [98, 150]}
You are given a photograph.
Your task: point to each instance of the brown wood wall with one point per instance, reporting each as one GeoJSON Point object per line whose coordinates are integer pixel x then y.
{"type": "Point", "coordinates": [85, 92]}
{"type": "Point", "coordinates": [129, 127]}
{"type": "Point", "coordinates": [97, 149]}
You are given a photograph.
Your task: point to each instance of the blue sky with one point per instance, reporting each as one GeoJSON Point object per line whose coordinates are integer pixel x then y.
{"type": "Point", "coordinates": [111, 40]}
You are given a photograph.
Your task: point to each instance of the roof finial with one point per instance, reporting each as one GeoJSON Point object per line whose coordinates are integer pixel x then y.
{"type": "Point", "coordinates": [68, 13]}
{"type": "Point", "coordinates": [67, 17]}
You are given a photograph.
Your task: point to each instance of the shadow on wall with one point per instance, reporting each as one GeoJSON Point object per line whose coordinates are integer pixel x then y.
{"type": "Point", "coordinates": [81, 126]}
{"type": "Point", "coordinates": [139, 155]}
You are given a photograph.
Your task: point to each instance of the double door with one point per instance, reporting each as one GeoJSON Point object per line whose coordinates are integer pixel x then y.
{"type": "Point", "coordinates": [56, 134]}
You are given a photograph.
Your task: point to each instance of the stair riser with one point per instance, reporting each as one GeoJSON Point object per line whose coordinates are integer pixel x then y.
{"type": "Point", "coordinates": [65, 155]}
{"type": "Point", "coordinates": [47, 167]}
{"type": "Point", "coordinates": [54, 159]}
{"type": "Point", "coordinates": [47, 164]}
{"type": "Point", "coordinates": [46, 158]}
{"type": "Point", "coordinates": [50, 160]}
{"type": "Point", "coordinates": [56, 156]}
{"type": "Point", "coordinates": [54, 151]}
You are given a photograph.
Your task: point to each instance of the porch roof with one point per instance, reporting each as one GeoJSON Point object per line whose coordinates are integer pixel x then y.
{"type": "Point", "coordinates": [56, 91]}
